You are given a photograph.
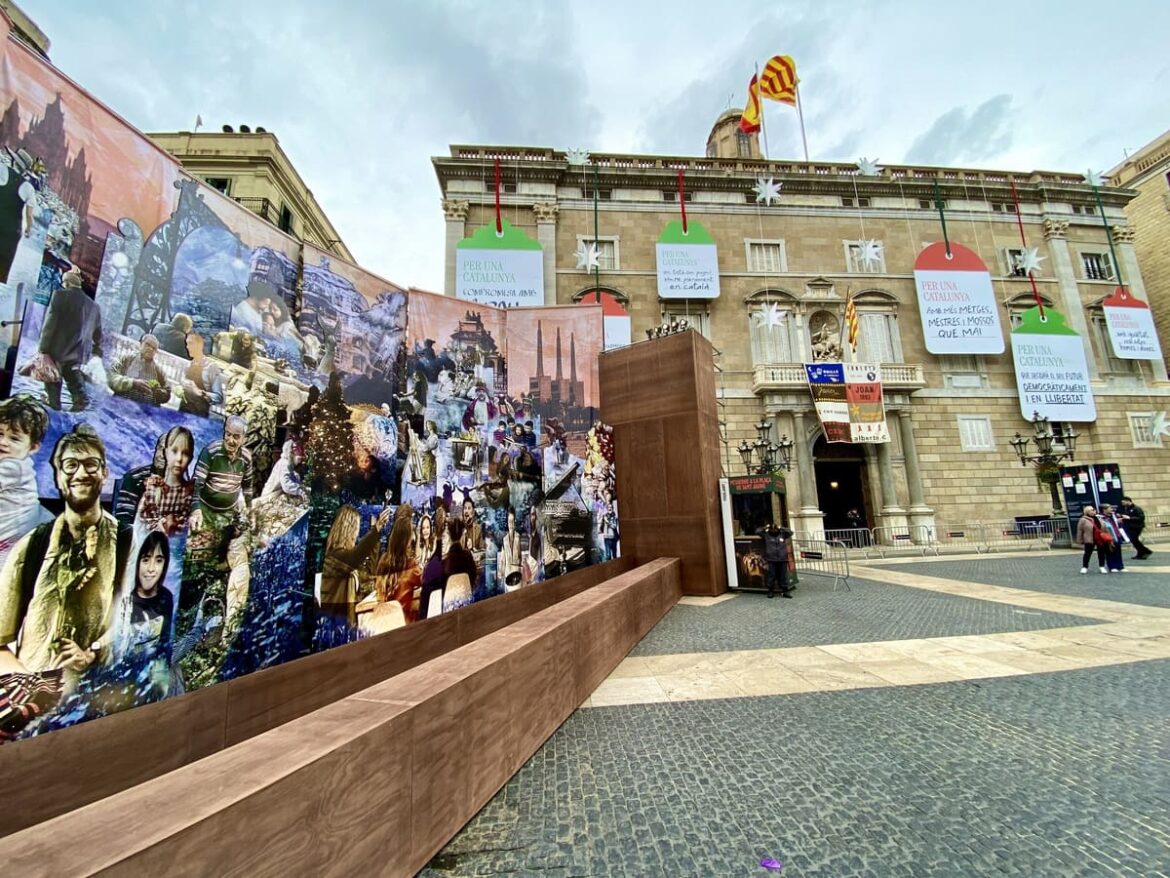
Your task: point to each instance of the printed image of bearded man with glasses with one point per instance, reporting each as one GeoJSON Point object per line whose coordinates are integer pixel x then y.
{"type": "Point", "coordinates": [57, 584]}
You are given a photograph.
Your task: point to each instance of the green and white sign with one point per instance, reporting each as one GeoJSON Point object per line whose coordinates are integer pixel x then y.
{"type": "Point", "coordinates": [503, 269]}
{"type": "Point", "coordinates": [688, 267]}
{"type": "Point", "coordinates": [1052, 373]}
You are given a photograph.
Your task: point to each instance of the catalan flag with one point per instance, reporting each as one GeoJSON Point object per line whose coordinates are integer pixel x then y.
{"type": "Point", "coordinates": [750, 123]}
{"type": "Point", "coordinates": [778, 81]}
{"type": "Point", "coordinates": [852, 322]}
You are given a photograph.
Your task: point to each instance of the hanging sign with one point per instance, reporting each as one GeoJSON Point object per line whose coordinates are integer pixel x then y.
{"type": "Point", "coordinates": [956, 301]}
{"type": "Point", "coordinates": [1131, 327]}
{"type": "Point", "coordinates": [688, 267]}
{"type": "Point", "coordinates": [848, 400]}
{"type": "Point", "coordinates": [1052, 373]}
{"type": "Point", "coordinates": [503, 269]}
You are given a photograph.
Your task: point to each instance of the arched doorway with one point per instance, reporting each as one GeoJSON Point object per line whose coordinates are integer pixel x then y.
{"type": "Point", "coordinates": [842, 482]}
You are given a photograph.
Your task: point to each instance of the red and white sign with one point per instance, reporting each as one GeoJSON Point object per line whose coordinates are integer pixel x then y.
{"type": "Point", "coordinates": [617, 318]}
{"type": "Point", "coordinates": [1131, 327]}
{"type": "Point", "coordinates": [956, 302]}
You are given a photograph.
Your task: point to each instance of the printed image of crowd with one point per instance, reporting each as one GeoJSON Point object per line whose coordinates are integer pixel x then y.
{"type": "Point", "coordinates": [221, 450]}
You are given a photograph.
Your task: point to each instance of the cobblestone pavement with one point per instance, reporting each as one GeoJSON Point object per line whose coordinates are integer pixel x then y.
{"type": "Point", "coordinates": [1056, 574]}
{"type": "Point", "coordinates": [1046, 774]}
{"type": "Point", "coordinates": [817, 614]}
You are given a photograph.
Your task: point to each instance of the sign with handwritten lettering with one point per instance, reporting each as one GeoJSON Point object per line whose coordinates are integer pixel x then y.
{"type": "Point", "coordinates": [1131, 327]}
{"type": "Point", "coordinates": [502, 269]}
{"type": "Point", "coordinates": [956, 302]}
{"type": "Point", "coordinates": [848, 399]}
{"type": "Point", "coordinates": [688, 266]}
{"type": "Point", "coordinates": [1052, 372]}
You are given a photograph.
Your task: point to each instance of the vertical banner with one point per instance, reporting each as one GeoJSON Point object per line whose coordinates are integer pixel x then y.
{"type": "Point", "coordinates": [504, 269]}
{"type": "Point", "coordinates": [688, 266]}
{"type": "Point", "coordinates": [826, 382]}
{"type": "Point", "coordinates": [956, 302]}
{"type": "Point", "coordinates": [867, 410]}
{"type": "Point", "coordinates": [1131, 327]}
{"type": "Point", "coordinates": [1052, 374]}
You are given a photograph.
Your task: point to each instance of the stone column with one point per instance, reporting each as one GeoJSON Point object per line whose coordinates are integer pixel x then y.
{"type": "Point", "coordinates": [921, 515]}
{"type": "Point", "coordinates": [455, 212]}
{"type": "Point", "coordinates": [1131, 273]}
{"type": "Point", "coordinates": [892, 515]}
{"type": "Point", "coordinates": [546, 233]}
{"type": "Point", "coordinates": [1069, 301]}
{"type": "Point", "coordinates": [809, 521]}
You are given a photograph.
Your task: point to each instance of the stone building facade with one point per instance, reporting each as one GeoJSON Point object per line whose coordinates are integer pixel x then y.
{"type": "Point", "coordinates": [950, 417]}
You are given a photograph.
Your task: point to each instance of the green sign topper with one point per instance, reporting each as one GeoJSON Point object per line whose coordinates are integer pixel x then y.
{"type": "Point", "coordinates": [486, 238]}
{"type": "Point", "coordinates": [1052, 323]}
{"type": "Point", "coordinates": [696, 234]}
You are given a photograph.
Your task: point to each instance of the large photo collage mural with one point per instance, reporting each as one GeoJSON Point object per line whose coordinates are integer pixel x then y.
{"type": "Point", "coordinates": [222, 449]}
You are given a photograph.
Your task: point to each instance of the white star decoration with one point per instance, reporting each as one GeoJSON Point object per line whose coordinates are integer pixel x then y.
{"type": "Point", "coordinates": [1093, 178]}
{"type": "Point", "coordinates": [1159, 425]}
{"type": "Point", "coordinates": [576, 156]}
{"type": "Point", "coordinates": [1029, 260]}
{"type": "Point", "coordinates": [770, 316]}
{"type": "Point", "coordinates": [869, 253]}
{"type": "Point", "coordinates": [868, 168]}
{"type": "Point", "coordinates": [767, 190]}
{"type": "Point", "coordinates": [588, 256]}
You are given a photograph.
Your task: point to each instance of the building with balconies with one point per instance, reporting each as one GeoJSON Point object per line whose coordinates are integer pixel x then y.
{"type": "Point", "coordinates": [786, 270]}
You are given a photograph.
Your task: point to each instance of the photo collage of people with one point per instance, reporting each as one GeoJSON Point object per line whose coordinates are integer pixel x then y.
{"type": "Point", "coordinates": [222, 449]}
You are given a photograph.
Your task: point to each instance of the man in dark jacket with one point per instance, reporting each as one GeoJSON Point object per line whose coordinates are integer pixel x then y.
{"type": "Point", "coordinates": [1133, 519]}
{"type": "Point", "coordinates": [71, 335]}
{"type": "Point", "coordinates": [172, 336]}
{"type": "Point", "coordinates": [776, 554]}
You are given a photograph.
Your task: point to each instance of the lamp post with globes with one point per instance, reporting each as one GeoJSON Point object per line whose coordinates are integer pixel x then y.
{"type": "Point", "coordinates": [1046, 460]}
{"type": "Point", "coordinates": [772, 456]}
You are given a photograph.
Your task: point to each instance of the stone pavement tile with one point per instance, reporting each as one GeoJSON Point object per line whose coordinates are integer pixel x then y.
{"type": "Point", "coordinates": [907, 672]}
{"type": "Point", "coordinates": [699, 685]}
{"type": "Point", "coordinates": [678, 663]}
{"type": "Point", "coordinates": [1091, 656]}
{"type": "Point", "coordinates": [632, 666]}
{"type": "Point", "coordinates": [1153, 648]}
{"type": "Point", "coordinates": [856, 652]}
{"type": "Point", "coordinates": [744, 660]}
{"type": "Point", "coordinates": [850, 677]}
{"type": "Point", "coordinates": [804, 656]}
{"type": "Point", "coordinates": [1033, 662]}
{"type": "Point", "coordinates": [774, 681]}
{"type": "Point", "coordinates": [705, 601]}
{"type": "Point", "coordinates": [973, 666]}
{"type": "Point", "coordinates": [628, 690]}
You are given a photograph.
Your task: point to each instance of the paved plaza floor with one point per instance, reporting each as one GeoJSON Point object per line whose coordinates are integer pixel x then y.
{"type": "Point", "coordinates": [954, 716]}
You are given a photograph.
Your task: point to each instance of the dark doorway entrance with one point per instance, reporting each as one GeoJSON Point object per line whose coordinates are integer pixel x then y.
{"type": "Point", "coordinates": [841, 482]}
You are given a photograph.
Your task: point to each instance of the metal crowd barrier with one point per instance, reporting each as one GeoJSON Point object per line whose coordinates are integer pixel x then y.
{"type": "Point", "coordinates": [822, 558]}
{"type": "Point", "coordinates": [977, 536]}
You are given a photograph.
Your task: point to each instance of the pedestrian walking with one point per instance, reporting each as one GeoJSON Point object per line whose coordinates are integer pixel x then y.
{"type": "Point", "coordinates": [1133, 519]}
{"type": "Point", "coordinates": [1107, 518]}
{"type": "Point", "coordinates": [1089, 535]}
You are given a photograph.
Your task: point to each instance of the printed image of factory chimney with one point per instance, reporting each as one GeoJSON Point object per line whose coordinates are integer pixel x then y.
{"type": "Point", "coordinates": [540, 387]}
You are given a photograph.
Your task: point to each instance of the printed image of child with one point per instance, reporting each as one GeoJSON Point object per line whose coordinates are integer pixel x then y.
{"type": "Point", "coordinates": [23, 424]}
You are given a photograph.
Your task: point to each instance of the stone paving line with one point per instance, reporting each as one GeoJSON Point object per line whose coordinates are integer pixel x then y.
{"type": "Point", "coordinates": [1125, 633]}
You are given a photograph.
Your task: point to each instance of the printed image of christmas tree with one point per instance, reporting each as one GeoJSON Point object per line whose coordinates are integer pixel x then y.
{"type": "Point", "coordinates": [331, 439]}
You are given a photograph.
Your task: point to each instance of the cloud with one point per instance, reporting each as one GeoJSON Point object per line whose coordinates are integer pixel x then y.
{"type": "Point", "coordinates": [958, 136]}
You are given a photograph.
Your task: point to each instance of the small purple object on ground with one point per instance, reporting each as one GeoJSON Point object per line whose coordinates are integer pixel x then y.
{"type": "Point", "coordinates": [771, 865]}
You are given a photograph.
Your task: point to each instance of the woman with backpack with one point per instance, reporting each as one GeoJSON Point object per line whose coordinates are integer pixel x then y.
{"type": "Point", "coordinates": [1111, 524]}
{"type": "Point", "coordinates": [1089, 535]}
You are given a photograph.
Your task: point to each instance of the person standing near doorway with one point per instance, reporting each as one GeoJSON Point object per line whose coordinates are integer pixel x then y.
{"type": "Point", "coordinates": [1133, 518]}
{"type": "Point", "coordinates": [776, 554]}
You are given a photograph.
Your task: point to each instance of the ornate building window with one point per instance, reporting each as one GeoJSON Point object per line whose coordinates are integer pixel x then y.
{"type": "Point", "coordinates": [696, 312]}
{"type": "Point", "coordinates": [861, 257]}
{"type": "Point", "coordinates": [1141, 429]}
{"type": "Point", "coordinates": [1018, 304]}
{"type": "Point", "coordinates": [772, 327]}
{"type": "Point", "coordinates": [766, 256]}
{"type": "Point", "coordinates": [743, 145]}
{"type": "Point", "coordinates": [1097, 266]}
{"type": "Point", "coordinates": [878, 339]}
{"type": "Point", "coordinates": [608, 250]}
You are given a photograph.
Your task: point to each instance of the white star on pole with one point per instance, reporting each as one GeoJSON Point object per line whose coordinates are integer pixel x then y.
{"type": "Point", "coordinates": [1029, 260]}
{"type": "Point", "coordinates": [770, 316]}
{"type": "Point", "coordinates": [588, 256]}
{"type": "Point", "coordinates": [868, 168]}
{"type": "Point", "coordinates": [1160, 424]}
{"type": "Point", "coordinates": [576, 156]}
{"type": "Point", "coordinates": [1093, 178]}
{"type": "Point", "coordinates": [869, 253]}
{"type": "Point", "coordinates": [767, 190]}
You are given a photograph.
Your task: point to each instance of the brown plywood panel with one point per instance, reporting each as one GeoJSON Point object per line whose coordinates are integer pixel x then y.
{"type": "Point", "coordinates": [642, 483]}
{"type": "Point", "coordinates": [687, 487]}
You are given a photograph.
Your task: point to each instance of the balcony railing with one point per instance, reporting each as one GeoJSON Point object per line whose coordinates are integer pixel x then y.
{"type": "Point", "coordinates": [791, 376]}
{"type": "Point", "coordinates": [262, 207]}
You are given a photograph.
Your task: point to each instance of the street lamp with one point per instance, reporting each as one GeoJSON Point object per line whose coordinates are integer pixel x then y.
{"type": "Point", "coordinates": [772, 457]}
{"type": "Point", "coordinates": [1047, 464]}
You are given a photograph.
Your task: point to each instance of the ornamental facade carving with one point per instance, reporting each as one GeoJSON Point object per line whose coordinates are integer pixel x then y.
{"type": "Point", "coordinates": [1124, 234]}
{"type": "Point", "coordinates": [1054, 229]}
{"type": "Point", "coordinates": [546, 211]}
{"type": "Point", "coordinates": [456, 210]}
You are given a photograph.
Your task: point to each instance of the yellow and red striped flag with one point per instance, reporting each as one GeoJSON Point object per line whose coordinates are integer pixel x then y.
{"type": "Point", "coordinates": [852, 322]}
{"type": "Point", "coordinates": [778, 81]}
{"type": "Point", "coordinates": [750, 122]}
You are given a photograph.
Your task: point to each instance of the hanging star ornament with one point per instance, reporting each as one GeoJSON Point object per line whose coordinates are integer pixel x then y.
{"type": "Point", "coordinates": [767, 190]}
{"type": "Point", "coordinates": [1029, 260]}
{"type": "Point", "coordinates": [576, 156]}
{"type": "Point", "coordinates": [588, 256]}
{"type": "Point", "coordinates": [1160, 424]}
{"type": "Point", "coordinates": [770, 316]}
{"type": "Point", "coordinates": [868, 168]}
{"type": "Point", "coordinates": [869, 253]}
{"type": "Point", "coordinates": [1093, 178]}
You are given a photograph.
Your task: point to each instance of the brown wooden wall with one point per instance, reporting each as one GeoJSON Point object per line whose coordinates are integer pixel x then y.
{"type": "Point", "coordinates": [659, 396]}
{"type": "Point", "coordinates": [375, 783]}
{"type": "Point", "coordinates": [57, 772]}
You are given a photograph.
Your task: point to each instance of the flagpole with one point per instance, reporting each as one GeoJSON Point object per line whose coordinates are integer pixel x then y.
{"type": "Point", "coordinates": [760, 101]}
{"type": "Point", "coordinates": [800, 115]}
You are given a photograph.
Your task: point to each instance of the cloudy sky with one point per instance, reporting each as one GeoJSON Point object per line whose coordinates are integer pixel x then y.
{"type": "Point", "coordinates": [362, 93]}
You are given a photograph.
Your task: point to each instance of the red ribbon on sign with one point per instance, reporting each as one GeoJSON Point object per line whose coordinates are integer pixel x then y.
{"type": "Point", "coordinates": [1024, 242]}
{"type": "Point", "coordinates": [682, 199]}
{"type": "Point", "coordinates": [499, 224]}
